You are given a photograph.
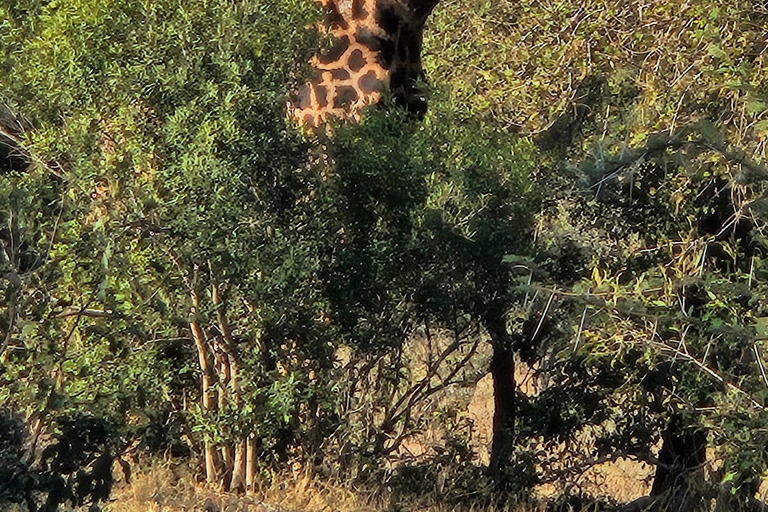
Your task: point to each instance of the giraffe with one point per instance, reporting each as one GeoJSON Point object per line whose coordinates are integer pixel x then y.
{"type": "Point", "coordinates": [376, 47]}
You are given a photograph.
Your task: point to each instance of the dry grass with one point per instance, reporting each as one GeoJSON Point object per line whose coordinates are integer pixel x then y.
{"type": "Point", "coordinates": [622, 480]}
{"type": "Point", "coordinates": [165, 489]}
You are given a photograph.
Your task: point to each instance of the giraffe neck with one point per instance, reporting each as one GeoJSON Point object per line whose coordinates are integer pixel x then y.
{"type": "Point", "coordinates": [376, 49]}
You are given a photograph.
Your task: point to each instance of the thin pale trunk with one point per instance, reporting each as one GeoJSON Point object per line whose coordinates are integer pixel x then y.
{"type": "Point", "coordinates": [225, 374]}
{"type": "Point", "coordinates": [37, 430]}
{"type": "Point", "coordinates": [239, 472]}
{"type": "Point", "coordinates": [250, 463]}
{"type": "Point", "coordinates": [238, 481]}
{"type": "Point", "coordinates": [229, 346]}
{"type": "Point", "coordinates": [202, 357]}
{"type": "Point", "coordinates": [226, 455]}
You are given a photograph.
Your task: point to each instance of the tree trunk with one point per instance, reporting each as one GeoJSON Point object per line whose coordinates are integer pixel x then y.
{"type": "Point", "coordinates": [503, 373]}
{"type": "Point", "coordinates": [679, 478]}
{"type": "Point", "coordinates": [250, 463]}
{"type": "Point", "coordinates": [231, 362]}
{"type": "Point", "coordinates": [504, 399]}
{"type": "Point", "coordinates": [202, 357]}
{"type": "Point", "coordinates": [682, 453]}
{"type": "Point", "coordinates": [238, 483]}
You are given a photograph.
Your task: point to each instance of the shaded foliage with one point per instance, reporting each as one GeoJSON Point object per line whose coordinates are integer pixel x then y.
{"type": "Point", "coordinates": [184, 272]}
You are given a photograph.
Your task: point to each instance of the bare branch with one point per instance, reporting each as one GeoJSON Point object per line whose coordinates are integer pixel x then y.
{"type": "Point", "coordinates": [685, 356]}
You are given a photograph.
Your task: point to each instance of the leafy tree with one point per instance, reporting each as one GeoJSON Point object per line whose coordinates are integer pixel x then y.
{"type": "Point", "coordinates": [648, 169]}
{"type": "Point", "coordinates": [76, 466]}
{"type": "Point", "coordinates": [424, 217]}
{"type": "Point", "coordinates": [155, 236]}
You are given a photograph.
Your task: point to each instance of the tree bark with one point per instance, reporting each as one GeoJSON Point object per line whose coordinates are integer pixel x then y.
{"type": "Point", "coordinates": [505, 408]}
{"type": "Point", "coordinates": [504, 388]}
{"type": "Point", "coordinates": [207, 401]}
{"type": "Point", "coordinates": [238, 465]}
{"type": "Point", "coordinates": [682, 450]}
{"type": "Point", "coordinates": [250, 463]}
{"type": "Point", "coordinates": [238, 483]}
{"type": "Point", "coordinates": [679, 478]}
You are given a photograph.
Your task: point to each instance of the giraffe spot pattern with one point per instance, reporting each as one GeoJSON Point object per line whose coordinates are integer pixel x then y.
{"type": "Point", "coordinates": [368, 39]}
{"type": "Point", "coordinates": [358, 10]}
{"type": "Point", "coordinates": [304, 96]}
{"type": "Point", "coordinates": [356, 61]}
{"type": "Point", "coordinates": [321, 92]}
{"type": "Point", "coordinates": [375, 45]}
{"type": "Point", "coordinates": [340, 74]}
{"type": "Point", "coordinates": [338, 49]}
{"type": "Point", "coordinates": [345, 95]}
{"type": "Point", "coordinates": [369, 83]}
{"type": "Point", "coordinates": [334, 19]}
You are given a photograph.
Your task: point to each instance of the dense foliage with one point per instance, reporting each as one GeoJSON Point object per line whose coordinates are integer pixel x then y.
{"type": "Point", "coordinates": [651, 248]}
{"type": "Point", "coordinates": [184, 274]}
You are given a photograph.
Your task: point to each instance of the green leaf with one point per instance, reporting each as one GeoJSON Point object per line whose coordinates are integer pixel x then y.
{"type": "Point", "coordinates": [28, 330]}
{"type": "Point", "coordinates": [716, 52]}
{"type": "Point", "coordinates": [762, 127]}
{"type": "Point", "coordinates": [755, 106]}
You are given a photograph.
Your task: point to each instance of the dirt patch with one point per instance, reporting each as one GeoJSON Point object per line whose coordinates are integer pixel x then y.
{"type": "Point", "coordinates": [623, 480]}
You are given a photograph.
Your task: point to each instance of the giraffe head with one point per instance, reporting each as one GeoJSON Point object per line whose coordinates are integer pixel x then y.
{"type": "Point", "coordinates": [376, 47]}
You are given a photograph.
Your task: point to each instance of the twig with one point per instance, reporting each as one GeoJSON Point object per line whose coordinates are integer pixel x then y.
{"type": "Point", "coordinates": [544, 314]}
{"type": "Point", "coordinates": [713, 374]}
{"type": "Point", "coordinates": [760, 363]}
{"type": "Point", "coordinates": [706, 351]}
{"type": "Point", "coordinates": [93, 313]}
{"type": "Point", "coordinates": [581, 326]}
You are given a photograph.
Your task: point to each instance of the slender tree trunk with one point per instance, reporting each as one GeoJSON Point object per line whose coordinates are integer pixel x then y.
{"type": "Point", "coordinates": [238, 465]}
{"type": "Point", "coordinates": [679, 479]}
{"type": "Point", "coordinates": [250, 463]}
{"type": "Point", "coordinates": [224, 376]}
{"type": "Point", "coordinates": [504, 412]}
{"type": "Point", "coordinates": [504, 399]}
{"type": "Point", "coordinates": [207, 401]}
{"type": "Point", "coordinates": [37, 430]}
{"type": "Point", "coordinates": [239, 472]}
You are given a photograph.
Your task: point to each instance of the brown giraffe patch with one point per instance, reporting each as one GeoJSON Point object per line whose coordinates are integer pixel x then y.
{"type": "Point", "coordinates": [345, 95]}
{"type": "Point", "coordinates": [369, 83]}
{"type": "Point", "coordinates": [340, 75]}
{"type": "Point", "coordinates": [305, 96]}
{"type": "Point", "coordinates": [368, 39]}
{"type": "Point", "coordinates": [375, 47]}
{"type": "Point", "coordinates": [321, 94]}
{"type": "Point", "coordinates": [358, 10]}
{"type": "Point", "coordinates": [334, 19]}
{"type": "Point", "coordinates": [356, 61]}
{"type": "Point", "coordinates": [338, 48]}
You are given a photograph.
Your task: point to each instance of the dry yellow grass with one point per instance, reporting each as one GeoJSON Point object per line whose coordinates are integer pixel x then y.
{"type": "Point", "coordinates": [165, 489]}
